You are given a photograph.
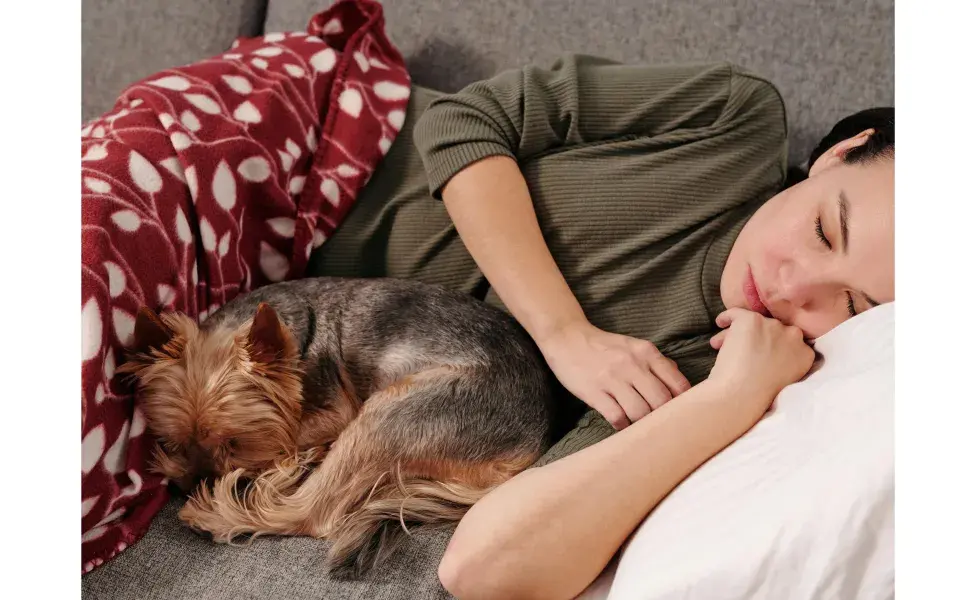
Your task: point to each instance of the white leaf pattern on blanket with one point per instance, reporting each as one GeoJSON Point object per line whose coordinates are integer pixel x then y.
{"type": "Point", "coordinates": [224, 188]}
{"type": "Point", "coordinates": [153, 235]}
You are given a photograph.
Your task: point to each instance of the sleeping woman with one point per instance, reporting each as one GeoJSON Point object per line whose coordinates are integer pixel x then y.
{"type": "Point", "coordinates": [637, 222]}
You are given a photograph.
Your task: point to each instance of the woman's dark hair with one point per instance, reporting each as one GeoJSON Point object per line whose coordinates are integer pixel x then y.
{"type": "Point", "coordinates": [881, 144]}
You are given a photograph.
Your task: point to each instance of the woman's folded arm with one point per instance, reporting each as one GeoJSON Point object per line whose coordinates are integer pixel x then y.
{"type": "Point", "coordinates": [550, 531]}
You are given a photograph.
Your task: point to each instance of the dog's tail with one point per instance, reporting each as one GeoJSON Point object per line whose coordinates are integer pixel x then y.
{"type": "Point", "coordinates": [375, 513]}
{"type": "Point", "coordinates": [365, 509]}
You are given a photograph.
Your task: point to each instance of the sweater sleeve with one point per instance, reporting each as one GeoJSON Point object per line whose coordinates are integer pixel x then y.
{"type": "Point", "coordinates": [532, 111]}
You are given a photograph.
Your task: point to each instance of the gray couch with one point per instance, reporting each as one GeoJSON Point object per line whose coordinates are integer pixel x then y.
{"type": "Point", "coordinates": [828, 59]}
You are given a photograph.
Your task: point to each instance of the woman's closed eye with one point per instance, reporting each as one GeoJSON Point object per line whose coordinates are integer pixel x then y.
{"type": "Point", "coordinates": [818, 228]}
{"type": "Point", "coordinates": [818, 223]}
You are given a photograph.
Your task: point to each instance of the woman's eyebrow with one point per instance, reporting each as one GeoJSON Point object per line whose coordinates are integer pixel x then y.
{"type": "Point", "coordinates": [844, 207]}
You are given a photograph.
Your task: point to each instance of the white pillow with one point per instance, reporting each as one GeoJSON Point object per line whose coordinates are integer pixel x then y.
{"type": "Point", "coordinates": [801, 507]}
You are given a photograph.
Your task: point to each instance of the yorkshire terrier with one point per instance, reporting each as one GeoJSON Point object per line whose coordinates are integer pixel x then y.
{"type": "Point", "coordinates": [344, 409]}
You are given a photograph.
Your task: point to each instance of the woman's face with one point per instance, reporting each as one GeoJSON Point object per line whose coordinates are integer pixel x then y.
{"type": "Point", "coordinates": [821, 251]}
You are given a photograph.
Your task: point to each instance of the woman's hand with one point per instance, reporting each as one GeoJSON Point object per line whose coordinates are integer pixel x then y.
{"type": "Point", "coordinates": [623, 378]}
{"type": "Point", "coordinates": [759, 356]}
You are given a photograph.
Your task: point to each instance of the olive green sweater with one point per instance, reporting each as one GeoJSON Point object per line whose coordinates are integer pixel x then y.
{"type": "Point", "coordinates": [641, 177]}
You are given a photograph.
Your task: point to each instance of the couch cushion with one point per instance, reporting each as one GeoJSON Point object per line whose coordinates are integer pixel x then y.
{"type": "Point", "coordinates": [126, 40]}
{"type": "Point", "coordinates": [172, 563]}
{"type": "Point", "coordinates": [828, 59]}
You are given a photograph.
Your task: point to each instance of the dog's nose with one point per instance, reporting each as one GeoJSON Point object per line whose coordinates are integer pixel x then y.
{"type": "Point", "coordinates": [185, 483]}
{"type": "Point", "coordinates": [201, 462]}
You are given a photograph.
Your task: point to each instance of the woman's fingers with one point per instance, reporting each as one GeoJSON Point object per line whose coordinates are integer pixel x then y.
{"type": "Point", "coordinates": [621, 377]}
{"type": "Point", "coordinates": [664, 369]}
{"type": "Point", "coordinates": [609, 408]}
{"type": "Point", "coordinates": [718, 339]}
{"type": "Point", "coordinates": [652, 390]}
{"type": "Point", "coordinates": [633, 404]}
{"type": "Point", "coordinates": [725, 319]}
{"type": "Point", "coordinates": [667, 372]}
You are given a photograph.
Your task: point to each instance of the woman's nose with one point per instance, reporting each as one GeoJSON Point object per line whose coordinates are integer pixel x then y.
{"type": "Point", "coordinates": [801, 284]}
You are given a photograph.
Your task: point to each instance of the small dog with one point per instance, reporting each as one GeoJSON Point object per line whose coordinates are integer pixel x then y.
{"type": "Point", "coordinates": [344, 409]}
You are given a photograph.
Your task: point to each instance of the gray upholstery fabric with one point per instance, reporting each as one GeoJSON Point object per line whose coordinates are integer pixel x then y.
{"type": "Point", "coordinates": [126, 40]}
{"type": "Point", "coordinates": [172, 563]}
{"type": "Point", "coordinates": [828, 59]}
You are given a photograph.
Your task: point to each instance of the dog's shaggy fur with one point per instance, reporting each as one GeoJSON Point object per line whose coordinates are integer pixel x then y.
{"type": "Point", "coordinates": [350, 410]}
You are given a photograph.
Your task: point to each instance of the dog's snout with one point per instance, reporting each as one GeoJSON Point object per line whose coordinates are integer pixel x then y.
{"type": "Point", "coordinates": [185, 483]}
{"type": "Point", "coordinates": [201, 462]}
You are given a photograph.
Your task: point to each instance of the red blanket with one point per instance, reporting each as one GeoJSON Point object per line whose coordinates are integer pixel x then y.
{"type": "Point", "coordinates": [204, 182]}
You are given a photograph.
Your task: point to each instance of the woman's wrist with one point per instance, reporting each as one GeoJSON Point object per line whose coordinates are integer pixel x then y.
{"type": "Point", "coordinates": [735, 400]}
{"type": "Point", "coordinates": [551, 329]}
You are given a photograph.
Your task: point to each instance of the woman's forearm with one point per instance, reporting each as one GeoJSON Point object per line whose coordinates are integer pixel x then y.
{"type": "Point", "coordinates": [490, 205]}
{"type": "Point", "coordinates": [550, 531]}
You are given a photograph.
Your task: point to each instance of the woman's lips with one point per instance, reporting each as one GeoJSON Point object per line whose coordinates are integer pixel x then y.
{"type": "Point", "coordinates": [751, 292]}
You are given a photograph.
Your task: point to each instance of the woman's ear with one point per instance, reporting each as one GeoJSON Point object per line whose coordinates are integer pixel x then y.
{"type": "Point", "coordinates": [835, 155]}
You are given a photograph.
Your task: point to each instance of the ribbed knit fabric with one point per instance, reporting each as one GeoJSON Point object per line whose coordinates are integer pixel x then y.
{"type": "Point", "coordinates": [396, 229]}
{"type": "Point", "coordinates": [641, 176]}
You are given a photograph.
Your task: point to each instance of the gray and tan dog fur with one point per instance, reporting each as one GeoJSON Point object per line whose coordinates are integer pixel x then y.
{"type": "Point", "coordinates": [345, 409]}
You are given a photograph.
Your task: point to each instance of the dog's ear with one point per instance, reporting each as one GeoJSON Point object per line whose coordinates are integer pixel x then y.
{"type": "Point", "coordinates": [268, 339]}
{"type": "Point", "coordinates": [150, 332]}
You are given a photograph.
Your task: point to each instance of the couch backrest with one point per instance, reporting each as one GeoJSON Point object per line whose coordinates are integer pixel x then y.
{"type": "Point", "coordinates": [828, 58]}
{"type": "Point", "coordinates": [123, 41]}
